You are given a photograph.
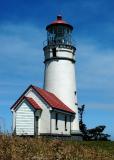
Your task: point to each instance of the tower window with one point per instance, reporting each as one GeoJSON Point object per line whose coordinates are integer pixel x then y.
{"type": "Point", "coordinates": [56, 121]}
{"type": "Point", "coordinates": [65, 123]}
{"type": "Point", "coordinates": [54, 52]}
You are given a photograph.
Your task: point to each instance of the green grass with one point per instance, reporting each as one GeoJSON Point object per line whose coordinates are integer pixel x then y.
{"type": "Point", "coordinates": [18, 148]}
{"type": "Point", "coordinates": [106, 146]}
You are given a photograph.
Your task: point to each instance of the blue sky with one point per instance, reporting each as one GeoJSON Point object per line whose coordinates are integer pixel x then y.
{"type": "Point", "coordinates": [22, 32]}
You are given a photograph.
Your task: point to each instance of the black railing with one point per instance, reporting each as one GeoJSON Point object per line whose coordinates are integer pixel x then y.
{"type": "Point", "coordinates": [57, 42]}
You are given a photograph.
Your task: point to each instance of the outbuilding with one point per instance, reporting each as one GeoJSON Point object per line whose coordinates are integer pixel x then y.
{"type": "Point", "coordinates": [39, 112]}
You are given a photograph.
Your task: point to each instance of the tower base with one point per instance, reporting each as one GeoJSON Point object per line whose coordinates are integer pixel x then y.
{"type": "Point", "coordinates": [76, 135]}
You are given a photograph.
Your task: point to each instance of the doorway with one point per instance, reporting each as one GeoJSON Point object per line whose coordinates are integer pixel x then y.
{"type": "Point", "coordinates": [36, 125]}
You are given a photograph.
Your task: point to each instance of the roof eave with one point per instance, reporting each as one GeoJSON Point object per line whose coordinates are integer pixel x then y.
{"type": "Point", "coordinates": [17, 101]}
{"type": "Point", "coordinates": [58, 24]}
{"type": "Point", "coordinates": [62, 111]}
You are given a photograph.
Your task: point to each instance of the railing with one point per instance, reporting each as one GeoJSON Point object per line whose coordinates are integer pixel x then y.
{"type": "Point", "coordinates": [57, 42]}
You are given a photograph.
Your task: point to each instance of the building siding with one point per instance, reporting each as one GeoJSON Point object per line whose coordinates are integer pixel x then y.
{"type": "Point", "coordinates": [24, 119]}
{"type": "Point", "coordinates": [61, 124]}
{"type": "Point", "coordinates": [44, 119]}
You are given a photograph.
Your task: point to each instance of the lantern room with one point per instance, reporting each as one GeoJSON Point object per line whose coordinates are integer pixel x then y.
{"type": "Point", "coordinates": [59, 32]}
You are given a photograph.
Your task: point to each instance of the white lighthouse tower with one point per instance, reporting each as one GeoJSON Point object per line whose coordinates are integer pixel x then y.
{"type": "Point", "coordinates": [53, 110]}
{"type": "Point", "coordinates": [59, 76]}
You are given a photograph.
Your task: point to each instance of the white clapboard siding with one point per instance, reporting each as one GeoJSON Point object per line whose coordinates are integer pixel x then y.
{"type": "Point", "coordinates": [25, 119]}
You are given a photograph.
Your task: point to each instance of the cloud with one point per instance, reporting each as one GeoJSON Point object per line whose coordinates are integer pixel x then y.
{"type": "Point", "coordinates": [100, 106]}
{"type": "Point", "coordinates": [95, 75]}
{"type": "Point", "coordinates": [21, 48]}
{"type": "Point", "coordinates": [96, 67]}
{"type": "Point", "coordinates": [21, 59]}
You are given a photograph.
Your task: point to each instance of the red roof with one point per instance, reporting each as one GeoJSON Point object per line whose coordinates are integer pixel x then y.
{"type": "Point", "coordinates": [59, 21]}
{"type": "Point", "coordinates": [30, 101]}
{"type": "Point", "coordinates": [33, 103]}
{"type": "Point", "coordinates": [52, 100]}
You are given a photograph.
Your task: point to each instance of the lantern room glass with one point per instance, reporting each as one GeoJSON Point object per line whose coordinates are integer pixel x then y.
{"type": "Point", "coordinates": [59, 35]}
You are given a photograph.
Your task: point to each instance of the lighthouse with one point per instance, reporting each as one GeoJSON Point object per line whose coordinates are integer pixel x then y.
{"type": "Point", "coordinates": [51, 110]}
{"type": "Point", "coordinates": [59, 74]}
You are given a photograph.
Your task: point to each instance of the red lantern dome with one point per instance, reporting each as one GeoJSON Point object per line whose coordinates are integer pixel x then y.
{"type": "Point", "coordinates": [59, 21]}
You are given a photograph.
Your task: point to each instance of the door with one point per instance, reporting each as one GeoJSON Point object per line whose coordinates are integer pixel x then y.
{"type": "Point", "coordinates": [36, 125]}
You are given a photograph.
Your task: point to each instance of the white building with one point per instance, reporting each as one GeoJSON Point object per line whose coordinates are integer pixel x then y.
{"type": "Point", "coordinates": [52, 110]}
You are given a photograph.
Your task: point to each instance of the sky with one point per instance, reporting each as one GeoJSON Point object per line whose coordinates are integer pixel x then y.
{"type": "Point", "coordinates": [22, 33]}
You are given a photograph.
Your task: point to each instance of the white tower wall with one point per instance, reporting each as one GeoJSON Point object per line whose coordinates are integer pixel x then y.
{"type": "Point", "coordinates": [59, 78]}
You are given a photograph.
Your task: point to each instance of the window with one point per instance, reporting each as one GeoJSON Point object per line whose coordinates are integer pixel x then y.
{"type": "Point", "coordinates": [56, 121]}
{"type": "Point", "coordinates": [65, 123]}
{"type": "Point", "coordinates": [54, 52]}
{"type": "Point", "coordinates": [60, 32]}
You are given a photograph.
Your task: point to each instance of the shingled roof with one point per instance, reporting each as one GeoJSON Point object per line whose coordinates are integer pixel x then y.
{"type": "Point", "coordinates": [48, 97]}
{"type": "Point", "coordinates": [52, 100]}
{"type": "Point", "coordinates": [30, 101]}
{"type": "Point", "coordinates": [33, 103]}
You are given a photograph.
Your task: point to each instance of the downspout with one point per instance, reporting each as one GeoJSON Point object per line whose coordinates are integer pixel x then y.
{"type": "Point", "coordinates": [34, 124]}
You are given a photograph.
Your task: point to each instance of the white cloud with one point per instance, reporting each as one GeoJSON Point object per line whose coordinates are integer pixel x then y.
{"type": "Point", "coordinates": [95, 67]}
{"type": "Point", "coordinates": [102, 105]}
{"type": "Point", "coordinates": [21, 59]}
{"type": "Point", "coordinates": [21, 49]}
